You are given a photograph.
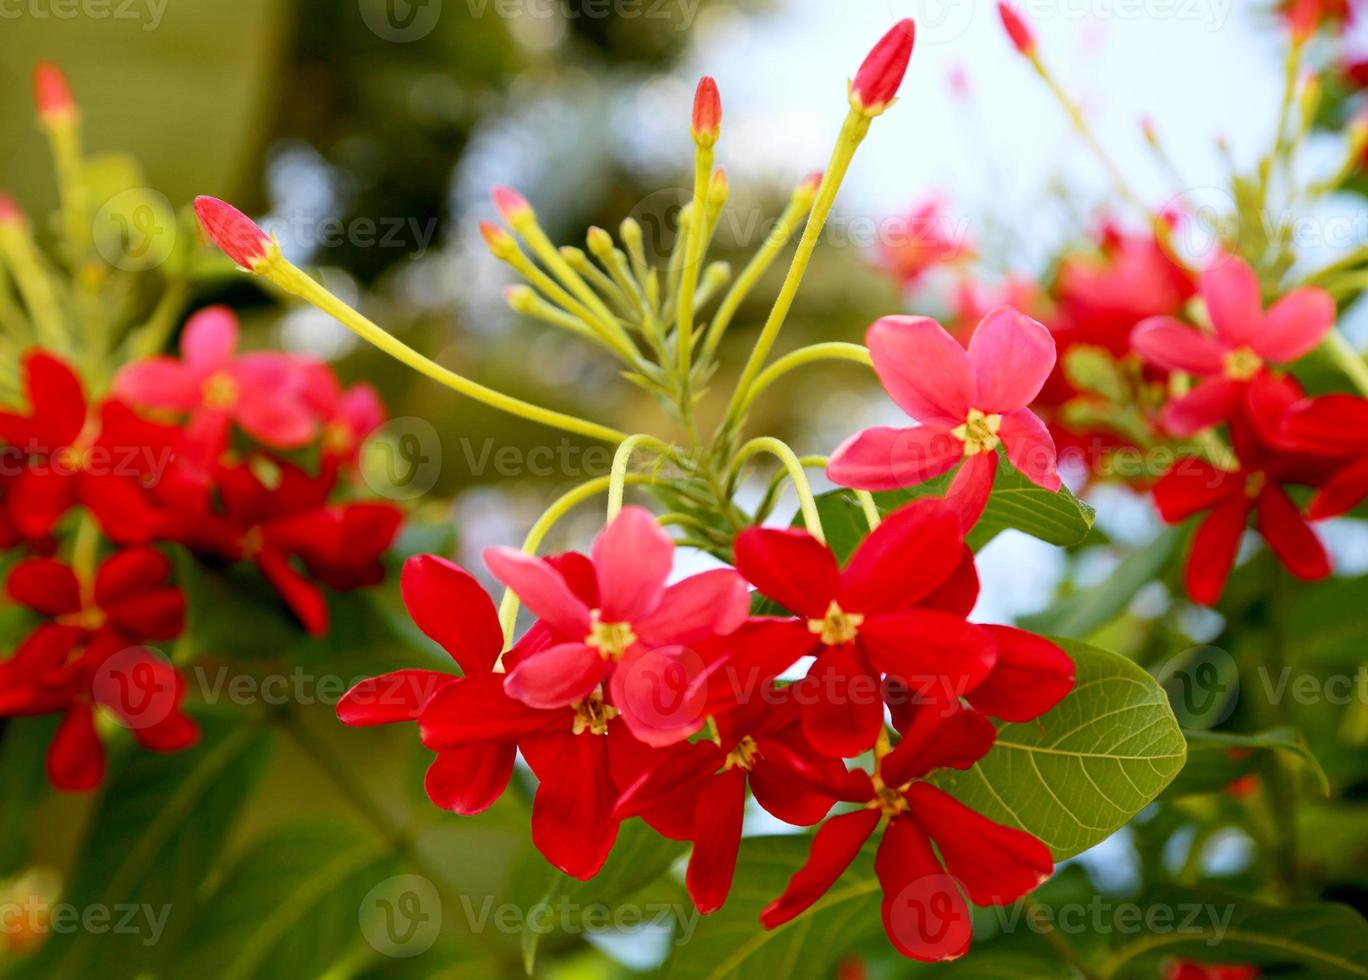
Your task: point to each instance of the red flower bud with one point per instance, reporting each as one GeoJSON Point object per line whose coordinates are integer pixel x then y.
{"type": "Point", "coordinates": [1022, 37]}
{"type": "Point", "coordinates": [511, 204]}
{"type": "Point", "coordinates": [499, 241]}
{"type": "Point", "coordinates": [876, 83]}
{"type": "Point", "coordinates": [707, 112]}
{"type": "Point", "coordinates": [241, 239]}
{"type": "Point", "coordinates": [51, 93]}
{"type": "Point", "coordinates": [10, 214]}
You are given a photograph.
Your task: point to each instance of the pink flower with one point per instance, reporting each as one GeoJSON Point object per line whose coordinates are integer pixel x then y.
{"type": "Point", "coordinates": [348, 415]}
{"type": "Point", "coordinates": [264, 393]}
{"type": "Point", "coordinates": [968, 404]}
{"type": "Point", "coordinates": [1246, 340]}
{"type": "Point", "coordinates": [638, 636]}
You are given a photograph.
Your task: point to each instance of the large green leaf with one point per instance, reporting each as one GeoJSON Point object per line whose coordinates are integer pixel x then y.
{"type": "Point", "coordinates": [161, 823]}
{"type": "Point", "coordinates": [1324, 942]}
{"type": "Point", "coordinates": [1082, 771]}
{"type": "Point", "coordinates": [313, 879]}
{"type": "Point", "coordinates": [732, 943]}
{"type": "Point", "coordinates": [1217, 759]}
{"type": "Point", "coordinates": [1016, 504]}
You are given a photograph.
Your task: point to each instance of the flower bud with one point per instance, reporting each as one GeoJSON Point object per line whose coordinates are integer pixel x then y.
{"type": "Point", "coordinates": [718, 189]}
{"type": "Point", "coordinates": [879, 78]}
{"type": "Point", "coordinates": [707, 113]}
{"type": "Point", "coordinates": [512, 205]}
{"type": "Point", "coordinates": [521, 299]}
{"type": "Point", "coordinates": [630, 230]}
{"type": "Point", "coordinates": [1023, 39]}
{"type": "Point", "coordinates": [52, 94]}
{"type": "Point", "coordinates": [240, 238]}
{"type": "Point", "coordinates": [806, 192]}
{"type": "Point", "coordinates": [500, 242]}
{"type": "Point", "coordinates": [600, 242]}
{"type": "Point", "coordinates": [10, 213]}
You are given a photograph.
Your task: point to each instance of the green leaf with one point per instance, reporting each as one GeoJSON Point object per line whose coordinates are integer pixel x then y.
{"type": "Point", "coordinates": [732, 943]}
{"type": "Point", "coordinates": [289, 906]}
{"type": "Point", "coordinates": [1078, 774]}
{"type": "Point", "coordinates": [1217, 759]}
{"type": "Point", "coordinates": [640, 857]}
{"type": "Point", "coordinates": [1327, 941]}
{"type": "Point", "coordinates": [1015, 504]}
{"type": "Point", "coordinates": [161, 822]}
{"type": "Point", "coordinates": [1085, 611]}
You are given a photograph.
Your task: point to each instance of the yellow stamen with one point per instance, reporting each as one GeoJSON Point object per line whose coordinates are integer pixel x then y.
{"type": "Point", "coordinates": [220, 390]}
{"type": "Point", "coordinates": [592, 715]}
{"type": "Point", "coordinates": [611, 640]}
{"type": "Point", "coordinates": [979, 433]}
{"type": "Point", "coordinates": [837, 627]}
{"type": "Point", "coordinates": [1242, 364]}
{"type": "Point", "coordinates": [743, 756]}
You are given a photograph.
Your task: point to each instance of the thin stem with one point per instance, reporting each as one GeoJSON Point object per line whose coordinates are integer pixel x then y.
{"type": "Point", "coordinates": [832, 351]}
{"type": "Point", "coordinates": [1348, 360]}
{"type": "Point", "coordinates": [611, 333]}
{"type": "Point", "coordinates": [152, 337]}
{"type": "Point", "coordinates": [617, 478]}
{"type": "Point", "coordinates": [852, 134]}
{"type": "Point", "coordinates": [688, 283]}
{"type": "Point", "coordinates": [543, 248]}
{"type": "Point", "coordinates": [780, 450]}
{"type": "Point", "coordinates": [35, 286]}
{"type": "Point", "coordinates": [293, 281]}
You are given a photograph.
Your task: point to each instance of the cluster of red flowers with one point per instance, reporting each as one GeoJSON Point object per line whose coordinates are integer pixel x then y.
{"type": "Point", "coordinates": [187, 452]}
{"type": "Point", "coordinates": [630, 697]}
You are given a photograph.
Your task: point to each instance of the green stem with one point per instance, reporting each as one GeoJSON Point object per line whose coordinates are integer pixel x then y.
{"type": "Point", "coordinates": [1348, 360]}
{"type": "Point", "coordinates": [617, 478]}
{"type": "Point", "coordinates": [781, 451]}
{"type": "Point", "coordinates": [831, 351]}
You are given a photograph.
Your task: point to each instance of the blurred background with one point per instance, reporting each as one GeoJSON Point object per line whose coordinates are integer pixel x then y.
{"type": "Point", "coordinates": [367, 134]}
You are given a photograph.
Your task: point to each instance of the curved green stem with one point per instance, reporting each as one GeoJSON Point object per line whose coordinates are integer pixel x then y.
{"type": "Point", "coordinates": [1348, 360]}
{"type": "Point", "coordinates": [781, 451]}
{"type": "Point", "coordinates": [832, 351]}
{"type": "Point", "coordinates": [617, 477]}
{"type": "Point", "coordinates": [291, 279]}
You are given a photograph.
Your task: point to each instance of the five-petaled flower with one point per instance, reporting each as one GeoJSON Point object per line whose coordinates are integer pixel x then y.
{"type": "Point", "coordinates": [968, 404]}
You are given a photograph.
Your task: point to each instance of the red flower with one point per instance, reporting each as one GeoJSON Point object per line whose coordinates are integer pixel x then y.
{"type": "Point", "coordinates": [877, 82]}
{"type": "Point", "coordinates": [1246, 340]}
{"type": "Point", "coordinates": [1335, 426]}
{"type": "Point", "coordinates": [348, 416]}
{"type": "Point", "coordinates": [929, 240]}
{"type": "Point", "coordinates": [635, 635]}
{"type": "Point", "coordinates": [52, 94]}
{"type": "Point", "coordinates": [1021, 35]}
{"type": "Point", "coordinates": [1228, 497]}
{"type": "Point", "coordinates": [897, 609]}
{"type": "Point", "coordinates": [87, 654]}
{"type": "Point", "coordinates": [476, 728]}
{"type": "Point", "coordinates": [264, 393]}
{"type": "Point", "coordinates": [295, 537]}
{"type": "Point", "coordinates": [66, 458]}
{"type": "Point", "coordinates": [240, 238]}
{"type": "Point", "coordinates": [924, 909]}
{"type": "Point", "coordinates": [968, 404]}
{"type": "Point", "coordinates": [698, 792]}
{"type": "Point", "coordinates": [707, 112]}
{"type": "Point", "coordinates": [1192, 970]}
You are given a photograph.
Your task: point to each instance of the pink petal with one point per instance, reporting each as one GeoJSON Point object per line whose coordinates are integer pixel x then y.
{"type": "Point", "coordinates": [209, 341]}
{"type": "Point", "coordinates": [1012, 356]}
{"type": "Point", "coordinates": [969, 491]}
{"type": "Point", "coordinates": [1234, 302]}
{"type": "Point", "coordinates": [1174, 345]}
{"type": "Point", "coordinates": [1210, 403]}
{"type": "Point", "coordinates": [890, 459]}
{"type": "Point", "coordinates": [633, 557]}
{"type": "Point", "coordinates": [541, 589]}
{"type": "Point", "coordinates": [662, 693]}
{"type": "Point", "coordinates": [710, 604]}
{"type": "Point", "coordinates": [158, 382]}
{"type": "Point", "coordinates": [557, 676]}
{"type": "Point", "coordinates": [922, 368]}
{"type": "Point", "coordinates": [1296, 324]}
{"type": "Point", "coordinates": [1030, 448]}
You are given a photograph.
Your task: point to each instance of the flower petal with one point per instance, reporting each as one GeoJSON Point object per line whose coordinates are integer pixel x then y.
{"type": "Point", "coordinates": [842, 703]}
{"type": "Point", "coordinates": [1193, 485]}
{"type": "Point", "coordinates": [923, 369]}
{"type": "Point", "coordinates": [1210, 403]}
{"type": "Point", "coordinates": [1234, 302]}
{"type": "Point", "coordinates": [158, 382]}
{"type": "Point", "coordinates": [1290, 537]}
{"type": "Point", "coordinates": [913, 552]}
{"type": "Point", "coordinates": [1296, 324]}
{"type": "Point", "coordinates": [1342, 492]}
{"type": "Point", "coordinates": [633, 557]}
{"type": "Point", "coordinates": [468, 781]}
{"type": "Point", "coordinates": [46, 586]}
{"type": "Point", "coordinates": [662, 693]}
{"type": "Point", "coordinates": [557, 676]}
{"type": "Point", "coordinates": [924, 914]}
{"type": "Point", "coordinates": [209, 341]}
{"type": "Point", "coordinates": [476, 709]}
{"type": "Point", "coordinates": [542, 590]}
{"type": "Point", "coordinates": [1331, 424]}
{"type": "Point", "coordinates": [890, 459]}
{"type": "Point", "coordinates": [717, 828]}
{"type": "Point", "coordinates": [572, 814]}
{"type": "Point", "coordinates": [1011, 356]}
{"type": "Point", "coordinates": [834, 847]}
{"type": "Point", "coordinates": [1031, 449]}
{"type": "Point", "coordinates": [708, 604]}
{"type": "Point", "coordinates": [76, 757]}
{"type": "Point", "coordinates": [453, 609]}
{"type": "Point", "coordinates": [929, 651]}
{"type": "Point", "coordinates": [1030, 677]}
{"type": "Point", "coordinates": [789, 566]}
{"type": "Point", "coordinates": [938, 735]}
{"type": "Point", "coordinates": [397, 696]}
{"type": "Point", "coordinates": [972, 487]}
{"type": "Point", "coordinates": [1215, 547]}
{"type": "Point", "coordinates": [1172, 344]}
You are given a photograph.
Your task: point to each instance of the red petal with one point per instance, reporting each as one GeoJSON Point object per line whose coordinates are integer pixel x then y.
{"type": "Point", "coordinates": [1215, 547]}
{"type": "Point", "coordinates": [1333, 424]}
{"type": "Point", "coordinates": [842, 703]}
{"type": "Point", "coordinates": [1174, 345]}
{"type": "Point", "coordinates": [557, 676]}
{"type": "Point", "coordinates": [715, 602]}
{"type": "Point", "coordinates": [786, 790]}
{"type": "Point", "coordinates": [718, 814]}
{"type": "Point", "coordinates": [661, 692]}
{"type": "Point", "coordinates": [924, 914]}
{"type": "Point", "coordinates": [1290, 537]}
{"type": "Point", "coordinates": [76, 759]}
{"type": "Point", "coordinates": [128, 572]}
{"type": "Point", "coordinates": [931, 652]}
{"type": "Point", "coordinates": [923, 369]}
{"type": "Point", "coordinates": [1234, 301]}
{"type": "Point", "coordinates": [996, 864]}
{"type": "Point", "coordinates": [1193, 485]}
{"type": "Point", "coordinates": [304, 598]}
{"type": "Point", "coordinates": [1210, 403]}
{"type": "Point", "coordinates": [971, 488]}
{"type": "Point", "coordinates": [398, 696]}
{"type": "Point", "coordinates": [789, 566]}
{"type": "Point", "coordinates": [883, 458]}
{"type": "Point", "coordinates": [914, 551]}
{"type": "Point", "coordinates": [572, 814]}
{"type": "Point", "coordinates": [1342, 492]}
{"type": "Point", "coordinates": [1012, 356]}
{"type": "Point", "coordinates": [1031, 676]}
{"type": "Point", "coordinates": [469, 780]}
{"type": "Point", "coordinates": [940, 735]}
{"type": "Point", "coordinates": [476, 709]}
{"type": "Point", "coordinates": [57, 407]}
{"type": "Point", "coordinates": [960, 593]}
{"type": "Point", "coordinates": [680, 769]}
{"type": "Point", "coordinates": [834, 847]}
{"type": "Point", "coordinates": [46, 586]}
{"type": "Point", "coordinates": [633, 557]}
{"type": "Point", "coordinates": [39, 498]}
{"type": "Point", "coordinates": [542, 589]}
{"type": "Point", "coordinates": [450, 607]}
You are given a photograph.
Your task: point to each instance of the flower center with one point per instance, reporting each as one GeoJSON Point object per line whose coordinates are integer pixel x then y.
{"type": "Point", "coordinates": [837, 627]}
{"type": "Point", "coordinates": [89, 618]}
{"type": "Point", "coordinates": [220, 390]}
{"type": "Point", "coordinates": [337, 439]}
{"type": "Point", "coordinates": [1242, 364]}
{"type": "Point", "coordinates": [1254, 484]}
{"type": "Point", "coordinates": [743, 756]}
{"type": "Point", "coordinates": [611, 640]}
{"type": "Point", "coordinates": [73, 459]}
{"type": "Point", "coordinates": [592, 715]}
{"type": "Point", "coordinates": [889, 799]}
{"type": "Point", "coordinates": [252, 542]}
{"type": "Point", "coordinates": [979, 433]}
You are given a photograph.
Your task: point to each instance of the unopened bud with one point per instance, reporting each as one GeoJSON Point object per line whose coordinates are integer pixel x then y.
{"type": "Point", "coordinates": [718, 189]}
{"type": "Point", "coordinates": [877, 82]}
{"type": "Point", "coordinates": [52, 94]}
{"type": "Point", "coordinates": [707, 113]}
{"type": "Point", "coordinates": [512, 205]}
{"type": "Point", "coordinates": [10, 213]}
{"type": "Point", "coordinates": [600, 242]}
{"type": "Point", "coordinates": [1023, 38]}
{"type": "Point", "coordinates": [521, 299]}
{"type": "Point", "coordinates": [500, 242]}
{"type": "Point", "coordinates": [806, 192]}
{"type": "Point", "coordinates": [240, 238]}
